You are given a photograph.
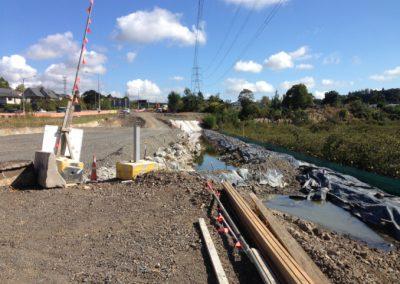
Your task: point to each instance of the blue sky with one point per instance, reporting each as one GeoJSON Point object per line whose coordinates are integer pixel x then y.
{"type": "Point", "coordinates": [342, 45]}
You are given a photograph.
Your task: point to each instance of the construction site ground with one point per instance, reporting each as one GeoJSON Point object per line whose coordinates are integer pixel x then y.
{"type": "Point", "coordinates": [145, 232]}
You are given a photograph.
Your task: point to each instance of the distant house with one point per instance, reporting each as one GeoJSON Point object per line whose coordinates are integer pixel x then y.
{"type": "Point", "coordinates": [40, 93]}
{"type": "Point", "coordinates": [9, 97]}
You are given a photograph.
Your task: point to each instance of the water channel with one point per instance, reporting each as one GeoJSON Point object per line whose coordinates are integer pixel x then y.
{"type": "Point", "coordinates": [325, 214]}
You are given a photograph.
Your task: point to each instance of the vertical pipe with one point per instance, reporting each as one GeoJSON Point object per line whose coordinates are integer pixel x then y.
{"type": "Point", "coordinates": [136, 143]}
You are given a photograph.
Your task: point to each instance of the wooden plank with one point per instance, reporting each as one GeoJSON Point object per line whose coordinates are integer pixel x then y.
{"type": "Point", "coordinates": [212, 252]}
{"type": "Point", "coordinates": [265, 268]}
{"type": "Point", "coordinates": [268, 245]}
{"type": "Point", "coordinates": [289, 242]}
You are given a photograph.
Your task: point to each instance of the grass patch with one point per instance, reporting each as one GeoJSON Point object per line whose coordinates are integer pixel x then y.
{"type": "Point", "coordinates": [368, 146]}
{"type": "Point", "coordinates": [31, 121]}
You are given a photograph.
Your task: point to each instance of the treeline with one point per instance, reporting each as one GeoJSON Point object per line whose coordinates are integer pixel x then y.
{"type": "Point", "coordinates": [89, 101]}
{"type": "Point", "coordinates": [296, 106]}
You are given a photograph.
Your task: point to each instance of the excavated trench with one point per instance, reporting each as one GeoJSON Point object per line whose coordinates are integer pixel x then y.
{"type": "Point", "coordinates": [212, 162]}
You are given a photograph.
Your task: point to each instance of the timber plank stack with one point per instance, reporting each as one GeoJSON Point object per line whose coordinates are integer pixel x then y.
{"type": "Point", "coordinates": [271, 249]}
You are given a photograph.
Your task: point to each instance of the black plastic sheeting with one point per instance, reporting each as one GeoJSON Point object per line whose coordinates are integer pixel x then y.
{"type": "Point", "coordinates": [370, 204]}
{"type": "Point", "coordinates": [250, 153]}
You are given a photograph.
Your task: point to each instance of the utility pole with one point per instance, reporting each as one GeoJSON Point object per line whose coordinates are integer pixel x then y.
{"type": "Point", "coordinates": [196, 74]}
{"type": "Point", "coordinates": [23, 96]}
{"type": "Point", "coordinates": [65, 85]}
{"type": "Point", "coordinates": [98, 92]}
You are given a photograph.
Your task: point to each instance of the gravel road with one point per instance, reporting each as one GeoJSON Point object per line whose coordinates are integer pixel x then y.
{"type": "Point", "coordinates": [101, 141]}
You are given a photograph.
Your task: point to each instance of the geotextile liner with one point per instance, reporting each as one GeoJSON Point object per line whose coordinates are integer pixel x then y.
{"type": "Point", "coordinates": [370, 204]}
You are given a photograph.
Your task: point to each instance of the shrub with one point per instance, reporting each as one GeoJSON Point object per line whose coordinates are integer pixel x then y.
{"type": "Point", "coordinates": [343, 114]}
{"type": "Point", "coordinates": [210, 121]}
{"type": "Point", "coordinates": [300, 117]}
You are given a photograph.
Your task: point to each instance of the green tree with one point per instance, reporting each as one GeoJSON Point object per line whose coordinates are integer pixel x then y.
{"type": "Point", "coordinates": [249, 108]}
{"type": "Point", "coordinates": [331, 98]}
{"type": "Point", "coordinates": [360, 109]}
{"type": "Point", "coordinates": [192, 102]}
{"type": "Point", "coordinates": [276, 102]}
{"type": "Point", "coordinates": [265, 101]}
{"type": "Point", "coordinates": [91, 99]}
{"type": "Point", "coordinates": [297, 97]}
{"type": "Point", "coordinates": [174, 102]}
{"type": "Point", "coordinates": [214, 104]}
{"type": "Point", "coordinates": [4, 83]}
{"type": "Point", "coordinates": [246, 95]}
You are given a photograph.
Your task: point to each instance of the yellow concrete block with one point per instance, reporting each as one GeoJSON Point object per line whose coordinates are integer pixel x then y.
{"type": "Point", "coordinates": [64, 163]}
{"type": "Point", "coordinates": [129, 171]}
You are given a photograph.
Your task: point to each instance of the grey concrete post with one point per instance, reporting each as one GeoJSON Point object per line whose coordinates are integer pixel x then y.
{"type": "Point", "coordinates": [136, 143]}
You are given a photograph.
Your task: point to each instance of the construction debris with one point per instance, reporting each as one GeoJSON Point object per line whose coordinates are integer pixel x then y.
{"type": "Point", "coordinates": [212, 252]}
{"type": "Point", "coordinates": [17, 174]}
{"type": "Point", "coordinates": [295, 250]}
{"type": "Point", "coordinates": [283, 263]}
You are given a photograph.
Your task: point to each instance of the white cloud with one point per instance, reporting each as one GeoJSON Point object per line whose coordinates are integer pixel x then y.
{"type": "Point", "coordinates": [304, 66]}
{"type": "Point", "coordinates": [279, 61]}
{"type": "Point", "coordinates": [178, 78]}
{"type": "Point", "coordinates": [336, 83]}
{"type": "Point", "coordinates": [285, 60]}
{"type": "Point", "coordinates": [328, 82]}
{"type": "Point", "coordinates": [235, 86]}
{"type": "Point", "coordinates": [53, 46]}
{"type": "Point", "coordinates": [146, 89]}
{"type": "Point", "coordinates": [254, 4]}
{"type": "Point", "coordinates": [248, 66]}
{"type": "Point", "coordinates": [14, 68]}
{"type": "Point", "coordinates": [94, 62]}
{"type": "Point", "coordinates": [116, 94]}
{"type": "Point", "coordinates": [130, 56]}
{"type": "Point", "coordinates": [333, 58]}
{"type": "Point", "coordinates": [53, 77]}
{"type": "Point", "coordinates": [387, 75]}
{"type": "Point", "coordinates": [308, 81]}
{"type": "Point", "coordinates": [156, 25]}
{"type": "Point", "coordinates": [319, 95]}
{"type": "Point", "coordinates": [299, 53]}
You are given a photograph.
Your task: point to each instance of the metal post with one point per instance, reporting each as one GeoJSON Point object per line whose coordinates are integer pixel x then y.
{"type": "Point", "coordinates": [23, 96]}
{"type": "Point", "coordinates": [136, 143]}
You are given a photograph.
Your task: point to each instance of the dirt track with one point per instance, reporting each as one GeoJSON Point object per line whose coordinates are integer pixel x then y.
{"type": "Point", "coordinates": [143, 232]}
{"type": "Point", "coordinates": [101, 141]}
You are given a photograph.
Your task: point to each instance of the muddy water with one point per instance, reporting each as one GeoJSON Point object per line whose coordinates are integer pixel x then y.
{"type": "Point", "coordinates": [330, 217]}
{"type": "Point", "coordinates": [210, 162]}
{"type": "Point", "coordinates": [325, 214]}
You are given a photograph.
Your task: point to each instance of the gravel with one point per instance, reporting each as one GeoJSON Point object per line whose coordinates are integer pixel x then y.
{"type": "Point", "coordinates": [342, 259]}
{"type": "Point", "coordinates": [108, 144]}
{"type": "Point", "coordinates": [141, 232]}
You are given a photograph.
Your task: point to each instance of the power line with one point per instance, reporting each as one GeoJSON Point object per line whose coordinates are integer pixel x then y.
{"type": "Point", "coordinates": [196, 81]}
{"type": "Point", "coordinates": [256, 35]}
{"type": "Point", "coordinates": [239, 32]}
{"type": "Point", "coordinates": [227, 34]}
